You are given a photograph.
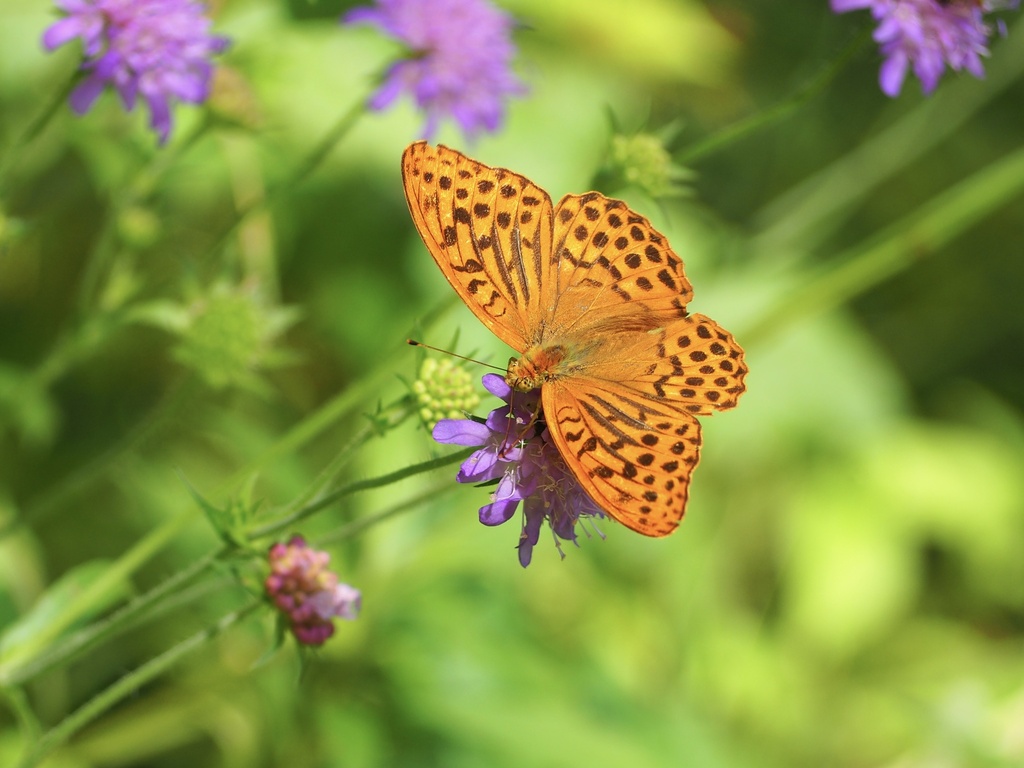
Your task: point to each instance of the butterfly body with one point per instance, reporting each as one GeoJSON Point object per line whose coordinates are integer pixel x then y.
{"type": "Point", "coordinates": [537, 366]}
{"type": "Point", "coordinates": [593, 299]}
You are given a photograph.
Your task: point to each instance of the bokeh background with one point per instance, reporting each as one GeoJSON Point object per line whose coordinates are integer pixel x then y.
{"type": "Point", "coordinates": [848, 586]}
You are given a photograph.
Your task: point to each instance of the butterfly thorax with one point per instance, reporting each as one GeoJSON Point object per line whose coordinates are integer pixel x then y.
{"type": "Point", "coordinates": [537, 365]}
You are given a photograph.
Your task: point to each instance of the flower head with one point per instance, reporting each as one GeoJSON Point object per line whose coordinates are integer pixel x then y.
{"type": "Point", "coordinates": [229, 335]}
{"type": "Point", "coordinates": [641, 160]}
{"type": "Point", "coordinates": [927, 35]}
{"type": "Point", "coordinates": [516, 451]}
{"type": "Point", "coordinates": [459, 61]}
{"type": "Point", "coordinates": [443, 390]}
{"type": "Point", "coordinates": [308, 594]}
{"type": "Point", "coordinates": [157, 49]}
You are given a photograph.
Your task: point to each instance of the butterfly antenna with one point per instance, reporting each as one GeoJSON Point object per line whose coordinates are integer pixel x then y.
{"type": "Point", "coordinates": [414, 343]}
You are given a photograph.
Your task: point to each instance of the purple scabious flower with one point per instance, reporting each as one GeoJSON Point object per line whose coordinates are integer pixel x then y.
{"type": "Point", "coordinates": [306, 592]}
{"type": "Point", "coordinates": [459, 62]}
{"type": "Point", "coordinates": [927, 35]}
{"type": "Point", "coordinates": [526, 465]}
{"type": "Point", "coordinates": [158, 50]}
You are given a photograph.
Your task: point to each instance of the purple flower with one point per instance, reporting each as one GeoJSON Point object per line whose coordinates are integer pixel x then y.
{"type": "Point", "coordinates": [928, 35]}
{"type": "Point", "coordinates": [516, 450]}
{"type": "Point", "coordinates": [308, 594]}
{"type": "Point", "coordinates": [157, 49]}
{"type": "Point", "coordinates": [459, 62]}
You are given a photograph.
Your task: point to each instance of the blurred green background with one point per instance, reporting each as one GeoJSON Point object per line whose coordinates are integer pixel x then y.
{"type": "Point", "coordinates": [848, 586]}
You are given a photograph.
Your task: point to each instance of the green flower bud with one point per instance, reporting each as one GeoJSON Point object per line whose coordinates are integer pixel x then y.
{"type": "Point", "coordinates": [230, 336]}
{"type": "Point", "coordinates": [443, 391]}
{"type": "Point", "coordinates": [641, 160]}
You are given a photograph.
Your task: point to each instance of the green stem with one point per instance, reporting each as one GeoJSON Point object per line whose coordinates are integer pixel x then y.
{"type": "Point", "coordinates": [350, 530]}
{"type": "Point", "coordinates": [901, 245]}
{"type": "Point", "coordinates": [362, 485]}
{"type": "Point", "coordinates": [29, 724]}
{"type": "Point", "coordinates": [97, 591]}
{"type": "Point", "coordinates": [127, 685]}
{"type": "Point", "coordinates": [805, 215]}
{"type": "Point", "coordinates": [32, 130]}
{"type": "Point", "coordinates": [773, 114]}
{"type": "Point", "coordinates": [75, 346]}
{"type": "Point", "coordinates": [138, 190]}
{"type": "Point", "coordinates": [121, 620]}
{"type": "Point", "coordinates": [305, 168]}
{"type": "Point", "coordinates": [388, 418]}
{"type": "Point", "coordinates": [334, 410]}
{"type": "Point", "coordinates": [71, 485]}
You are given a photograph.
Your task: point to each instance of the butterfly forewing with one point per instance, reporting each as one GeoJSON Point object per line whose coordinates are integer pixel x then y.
{"type": "Point", "coordinates": [613, 268]}
{"type": "Point", "coordinates": [489, 230]}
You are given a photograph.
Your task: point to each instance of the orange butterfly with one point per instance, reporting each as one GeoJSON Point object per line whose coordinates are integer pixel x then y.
{"type": "Point", "coordinates": [594, 300]}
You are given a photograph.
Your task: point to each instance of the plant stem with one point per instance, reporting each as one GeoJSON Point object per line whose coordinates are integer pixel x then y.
{"type": "Point", "coordinates": [33, 129]}
{"type": "Point", "coordinates": [805, 215]}
{"type": "Point", "coordinates": [305, 168]}
{"type": "Point", "coordinates": [122, 619]}
{"type": "Point", "coordinates": [30, 727]}
{"type": "Point", "coordinates": [127, 685]}
{"type": "Point", "coordinates": [119, 571]}
{"type": "Point", "coordinates": [901, 245]}
{"type": "Point", "coordinates": [765, 118]}
{"type": "Point", "coordinates": [361, 485]}
{"type": "Point", "coordinates": [135, 191]}
{"type": "Point", "coordinates": [387, 418]}
{"type": "Point", "coordinates": [333, 410]}
{"type": "Point", "coordinates": [72, 484]}
{"type": "Point", "coordinates": [349, 530]}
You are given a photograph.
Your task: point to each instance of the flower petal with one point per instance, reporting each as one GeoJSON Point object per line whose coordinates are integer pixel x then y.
{"type": "Point", "coordinates": [497, 386]}
{"type": "Point", "coordinates": [459, 62]}
{"type": "Point", "coordinates": [61, 32]}
{"type": "Point", "coordinates": [482, 466]}
{"type": "Point", "coordinates": [892, 74]}
{"type": "Point", "coordinates": [461, 432]}
{"type": "Point", "coordinates": [83, 97]}
{"type": "Point", "coordinates": [160, 49]}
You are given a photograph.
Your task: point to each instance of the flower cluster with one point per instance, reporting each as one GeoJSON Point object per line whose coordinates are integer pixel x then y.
{"type": "Point", "coordinates": [927, 35]}
{"type": "Point", "coordinates": [459, 62]}
{"type": "Point", "coordinates": [443, 391]}
{"type": "Point", "coordinates": [641, 160]}
{"type": "Point", "coordinates": [515, 449]}
{"type": "Point", "coordinates": [229, 335]}
{"type": "Point", "coordinates": [308, 594]}
{"type": "Point", "coordinates": [158, 50]}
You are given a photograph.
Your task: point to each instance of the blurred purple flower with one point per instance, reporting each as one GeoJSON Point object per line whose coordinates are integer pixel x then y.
{"type": "Point", "coordinates": [459, 62]}
{"type": "Point", "coordinates": [308, 594]}
{"type": "Point", "coordinates": [157, 49]}
{"type": "Point", "coordinates": [527, 466]}
{"type": "Point", "coordinates": [927, 35]}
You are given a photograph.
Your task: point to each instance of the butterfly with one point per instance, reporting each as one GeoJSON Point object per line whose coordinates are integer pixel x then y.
{"type": "Point", "coordinates": [593, 299]}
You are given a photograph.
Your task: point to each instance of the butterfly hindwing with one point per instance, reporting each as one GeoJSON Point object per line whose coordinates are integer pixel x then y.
{"type": "Point", "coordinates": [693, 363]}
{"type": "Point", "coordinates": [625, 420]}
{"type": "Point", "coordinates": [633, 455]}
{"type": "Point", "coordinates": [489, 230]}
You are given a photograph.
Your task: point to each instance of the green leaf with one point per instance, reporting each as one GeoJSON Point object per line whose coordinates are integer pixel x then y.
{"type": "Point", "coordinates": [230, 521]}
